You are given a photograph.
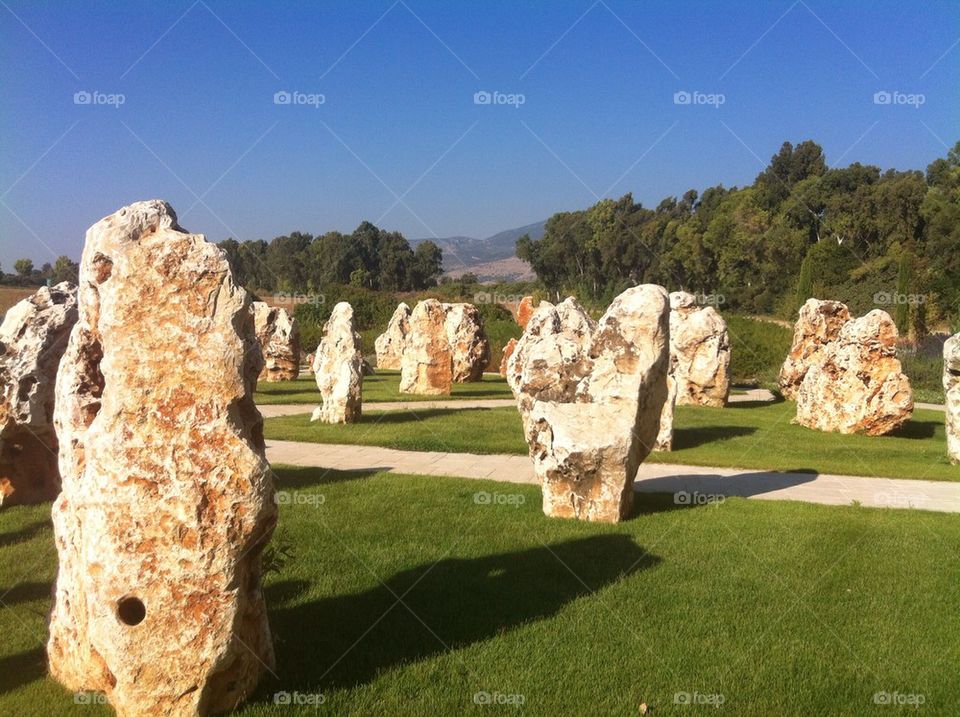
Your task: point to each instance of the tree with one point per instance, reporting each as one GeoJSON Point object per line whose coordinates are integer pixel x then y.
{"type": "Point", "coordinates": [427, 265]}
{"type": "Point", "coordinates": [65, 270]}
{"type": "Point", "coordinates": [24, 268]}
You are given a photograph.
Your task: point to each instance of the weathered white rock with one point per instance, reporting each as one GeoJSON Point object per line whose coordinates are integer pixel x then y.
{"type": "Point", "coordinates": [338, 369]}
{"type": "Point", "coordinates": [279, 340]}
{"type": "Point", "coordinates": [469, 345]}
{"type": "Point", "coordinates": [167, 497]}
{"type": "Point", "coordinates": [700, 351]}
{"type": "Point", "coordinates": [818, 325]}
{"type": "Point", "coordinates": [505, 357]}
{"type": "Point", "coordinates": [591, 397]}
{"type": "Point", "coordinates": [33, 337]}
{"type": "Point", "coordinates": [389, 345]}
{"type": "Point", "coordinates": [664, 441]}
{"type": "Point", "coordinates": [951, 389]}
{"type": "Point", "coordinates": [427, 363]}
{"type": "Point", "coordinates": [858, 386]}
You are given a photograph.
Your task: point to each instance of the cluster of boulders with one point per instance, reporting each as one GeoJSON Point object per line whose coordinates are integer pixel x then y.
{"type": "Point", "coordinates": [844, 372]}
{"type": "Point", "coordinates": [338, 369]}
{"type": "Point", "coordinates": [590, 395]}
{"type": "Point", "coordinates": [951, 389]}
{"type": "Point", "coordinates": [279, 340]}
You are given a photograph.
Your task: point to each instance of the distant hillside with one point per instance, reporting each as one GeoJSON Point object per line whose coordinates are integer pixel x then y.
{"type": "Point", "coordinates": [485, 256]}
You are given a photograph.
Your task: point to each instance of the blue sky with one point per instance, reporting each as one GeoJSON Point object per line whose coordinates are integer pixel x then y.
{"type": "Point", "coordinates": [399, 139]}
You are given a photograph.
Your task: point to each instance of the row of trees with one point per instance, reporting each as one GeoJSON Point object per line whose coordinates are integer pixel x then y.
{"type": "Point", "coordinates": [801, 229]}
{"type": "Point", "coordinates": [26, 274]}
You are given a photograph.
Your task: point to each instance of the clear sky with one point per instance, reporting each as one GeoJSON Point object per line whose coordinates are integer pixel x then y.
{"type": "Point", "coordinates": [398, 138]}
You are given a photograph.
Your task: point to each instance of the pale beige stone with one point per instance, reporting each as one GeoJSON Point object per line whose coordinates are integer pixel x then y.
{"type": "Point", "coordinates": [590, 396]}
{"type": "Point", "coordinates": [469, 346]}
{"type": "Point", "coordinates": [664, 441]}
{"type": "Point", "coordinates": [951, 390]}
{"type": "Point", "coordinates": [427, 362]}
{"type": "Point", "coordinates": [505, 358]}
{"type": "Point", "coordinates": [279, 339]}
{"type": "Point", "coordinates": [389, 345]}
{"type": "Point", "coordinates": [700, 352]}
{"type": "Point", "coordinates": [33, 337]}
{"type": "Point", "coordinates": [167, 499]}
{"type": "Point", "coordinates": [818, 325]}
{"type": "Point", "coordinates": [338, 369]}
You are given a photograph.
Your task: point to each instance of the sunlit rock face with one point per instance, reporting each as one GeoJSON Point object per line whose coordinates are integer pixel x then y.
{"type": "Point", "coordinates": [338, 369]}
{"type": "Point", "coordinates": [279, 340]}
{"type": "Point", "coordinates": [389, 345]}
{"type": "Point", "coordinates": [505, 358]}
{"type": "Point", "coordinates": [951, 388]}
{"type": "Point", "coordinates": [524, 311]}
{"type": "Point", "coordinates": [469, 346]}
{"type": "Point", "coordinates": [167, 498]}
{"type": "Point", "coordinates": [426, 366]}
{"type": "Point", "coordinates": [591, 395]}
{"type": "Point", "coordinates": [858, 386]}
{"type": "Point", "coordinates": [700, 352]}
{"type": "Point", "coordinates": [665, 436]}
{"type": "Point", "coordinates": [818, 325]}
{"type": "Point", "coordinates": [33, 337]}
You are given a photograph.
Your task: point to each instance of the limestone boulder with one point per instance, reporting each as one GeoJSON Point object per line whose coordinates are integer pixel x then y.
{"type": "Point", "coordinates": [167, 498]}
{"type": "Point", "coordinates": [426, 366]}
{"type": "Point", "coordinates": [469, 346]}
{"type": "Point", "coordinates": [858, 386]}
{"type": "Point", "coordinates": [591, 396]}
{"type": "Point", "coordinates": [700, 352]}
{"type": "Point", "coordinates": [279, 340]}
{"type": "Point", "coordinates": [818, 325]}
{"type": "Point", "coordinates": [338, 369]}
{"type": "Point", "coordinates": [389, 344]}
{"type": "Point", "coordinates": [951, 389]}
{"type": "Point", "coordinates": [524, 311]}
{"type": "Point", "coordinates": [33, 337]}
{"type": "Point", "coordinates": [505, 358]}
{"type": "Point", "coordinates": [664, 442]}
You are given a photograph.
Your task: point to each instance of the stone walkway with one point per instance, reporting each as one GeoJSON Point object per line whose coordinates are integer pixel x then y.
{"type": "Point", "coordinates": [691, 484]}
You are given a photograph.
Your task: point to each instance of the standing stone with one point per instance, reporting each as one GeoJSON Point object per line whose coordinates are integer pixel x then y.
{"type": "Point", "coordinates": [33, 337]}
{"type": "Point", "coordinates": [700, 348]}
{"type": "Point", "coordinates": [858, 386]}
{"type": "Point", "coordinates": [505, 358]}
{"type": "Point", "coordinates": [951, 390]}
{"type": "Point", "coordinates": [427, 363]}
{"type": "Point", "coordinates": [524, 311]}
{"type": "Point", "coordinates": [279, 340]}
{"type": "Point", "coordinates": [389, 344]}
{"type": "Point", "coordinates": [468, 342]}
{"type": "Point", "coordinates": [338, 369]}
{"type": "Point", "coordinates": [818, 326]}
{"type": "Point", "coordinates": [664, 441]}
{"type": "Point", "coordinates": [167, 499]}
{"type": "Point", "coordinates": [591, 397]}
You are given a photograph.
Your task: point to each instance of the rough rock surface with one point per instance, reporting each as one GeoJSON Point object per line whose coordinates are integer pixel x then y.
{"type": "Point", "coordinates": [507, 353]}
{"type": "Point", "coordinates": [524, 311]}
{"type": "Point", "coordinates": [664, 441]}
{"type": "Point", "coordinates": [469, 345]}
{"type": "Point", "coordinates": [167, 499]}
{"type": "Point", "coordinates": [590, 396]}
{"type": "Point", "coordinates": [389, 344]}
{"type": "Point", "coordinates": [279, 341]}
{"type": "Point", "coordinates": [817, 326]}
{"type": "Point", "coordinates": [33, 337]}
{"type": "Point", "coordinates": [951, 389]}
{"type": "Point", "coordinates": [338, 369]}
{"type": "Point", "coordinates": [858, 386]}
{"type": "Point", "coordinates": [427, 365]}
{"type": "Point", "coordinates": [700, 352]}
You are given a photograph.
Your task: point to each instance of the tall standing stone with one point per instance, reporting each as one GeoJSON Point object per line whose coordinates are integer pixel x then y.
{"type": "Point", "coordinates": [505, 357]}
{"type": "Point", "coordinates": [167, 497]}
{"type": "Point", "coordinates": [389, 345]}
{"type": "Point", "coordinates": [279, 340]}
{"type": "Point", "coordinates": [469, 346]}
{"type": "Point", "coordinates": [524, 311]}
{"type": "Point", "coordinates": [700, 350]}
{"type": "Point", "coordinates": [33, 337]}
{"type": "Point", "coordinates": [818, 325]}
{"type": "Point", "coordinates": [590, 396]}
{"type": "Point", "coordinates": [427, 362]}
{"type": "Point", "coordinates": [951, 390]}
{"type": "Point", "coordinates": [338, 369]}
{"type": "Point", "coordinates": [664, 442]}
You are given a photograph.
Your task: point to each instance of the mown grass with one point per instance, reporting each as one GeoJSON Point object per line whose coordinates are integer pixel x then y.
{"type": "Point", "coordinates": [405, 596]}
{"type": "Point", "coordinates": [757, 350]}
{"type": "Point", "coordinates": [382, 386]}
{"type": "Point", "coordinates": [751, 435]}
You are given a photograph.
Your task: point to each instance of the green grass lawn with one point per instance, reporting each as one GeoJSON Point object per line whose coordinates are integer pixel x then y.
{"type": "Point", "coordinates": [378, 388]}
{"type": "Point", "coordinates": [404, 596]}
{"type": "Point", "coordinates": [739, 436]}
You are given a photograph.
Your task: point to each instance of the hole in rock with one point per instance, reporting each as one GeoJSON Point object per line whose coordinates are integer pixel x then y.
{"type": "Point", "coordinates": [131, 611]}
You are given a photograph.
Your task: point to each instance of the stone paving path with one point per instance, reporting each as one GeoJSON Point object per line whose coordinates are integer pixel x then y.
{"type": "Point", "coordinates": [690, 484]}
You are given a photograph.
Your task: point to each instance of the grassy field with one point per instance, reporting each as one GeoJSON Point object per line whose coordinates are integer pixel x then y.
{"type": "Point", "coordinates": [10, 295]}
{"type": "Point", "coordinates": [426, 608]}
{"type": "Point", "coordinates": [739, 436]}
{"type": "Point", "coordinates": [378, 388]}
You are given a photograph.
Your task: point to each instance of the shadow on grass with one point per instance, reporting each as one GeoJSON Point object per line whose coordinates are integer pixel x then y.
{"type": "Point", "coordinates": [307, 476]}
{"type": "Point", "coordinates": [347, 640]}
{"type": "Point", "coordinates": [22, 669]}
{"type": "Point", "coordinates": [25, 533]}
{"type": "Point", "coordinates": [26, 592]}
{"type": "Point", "coordinates": [693, 437]}
{"type": "Point", "coordinates": [405, 414]}
{"type": "Point", "coordinates": [916, 430]}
